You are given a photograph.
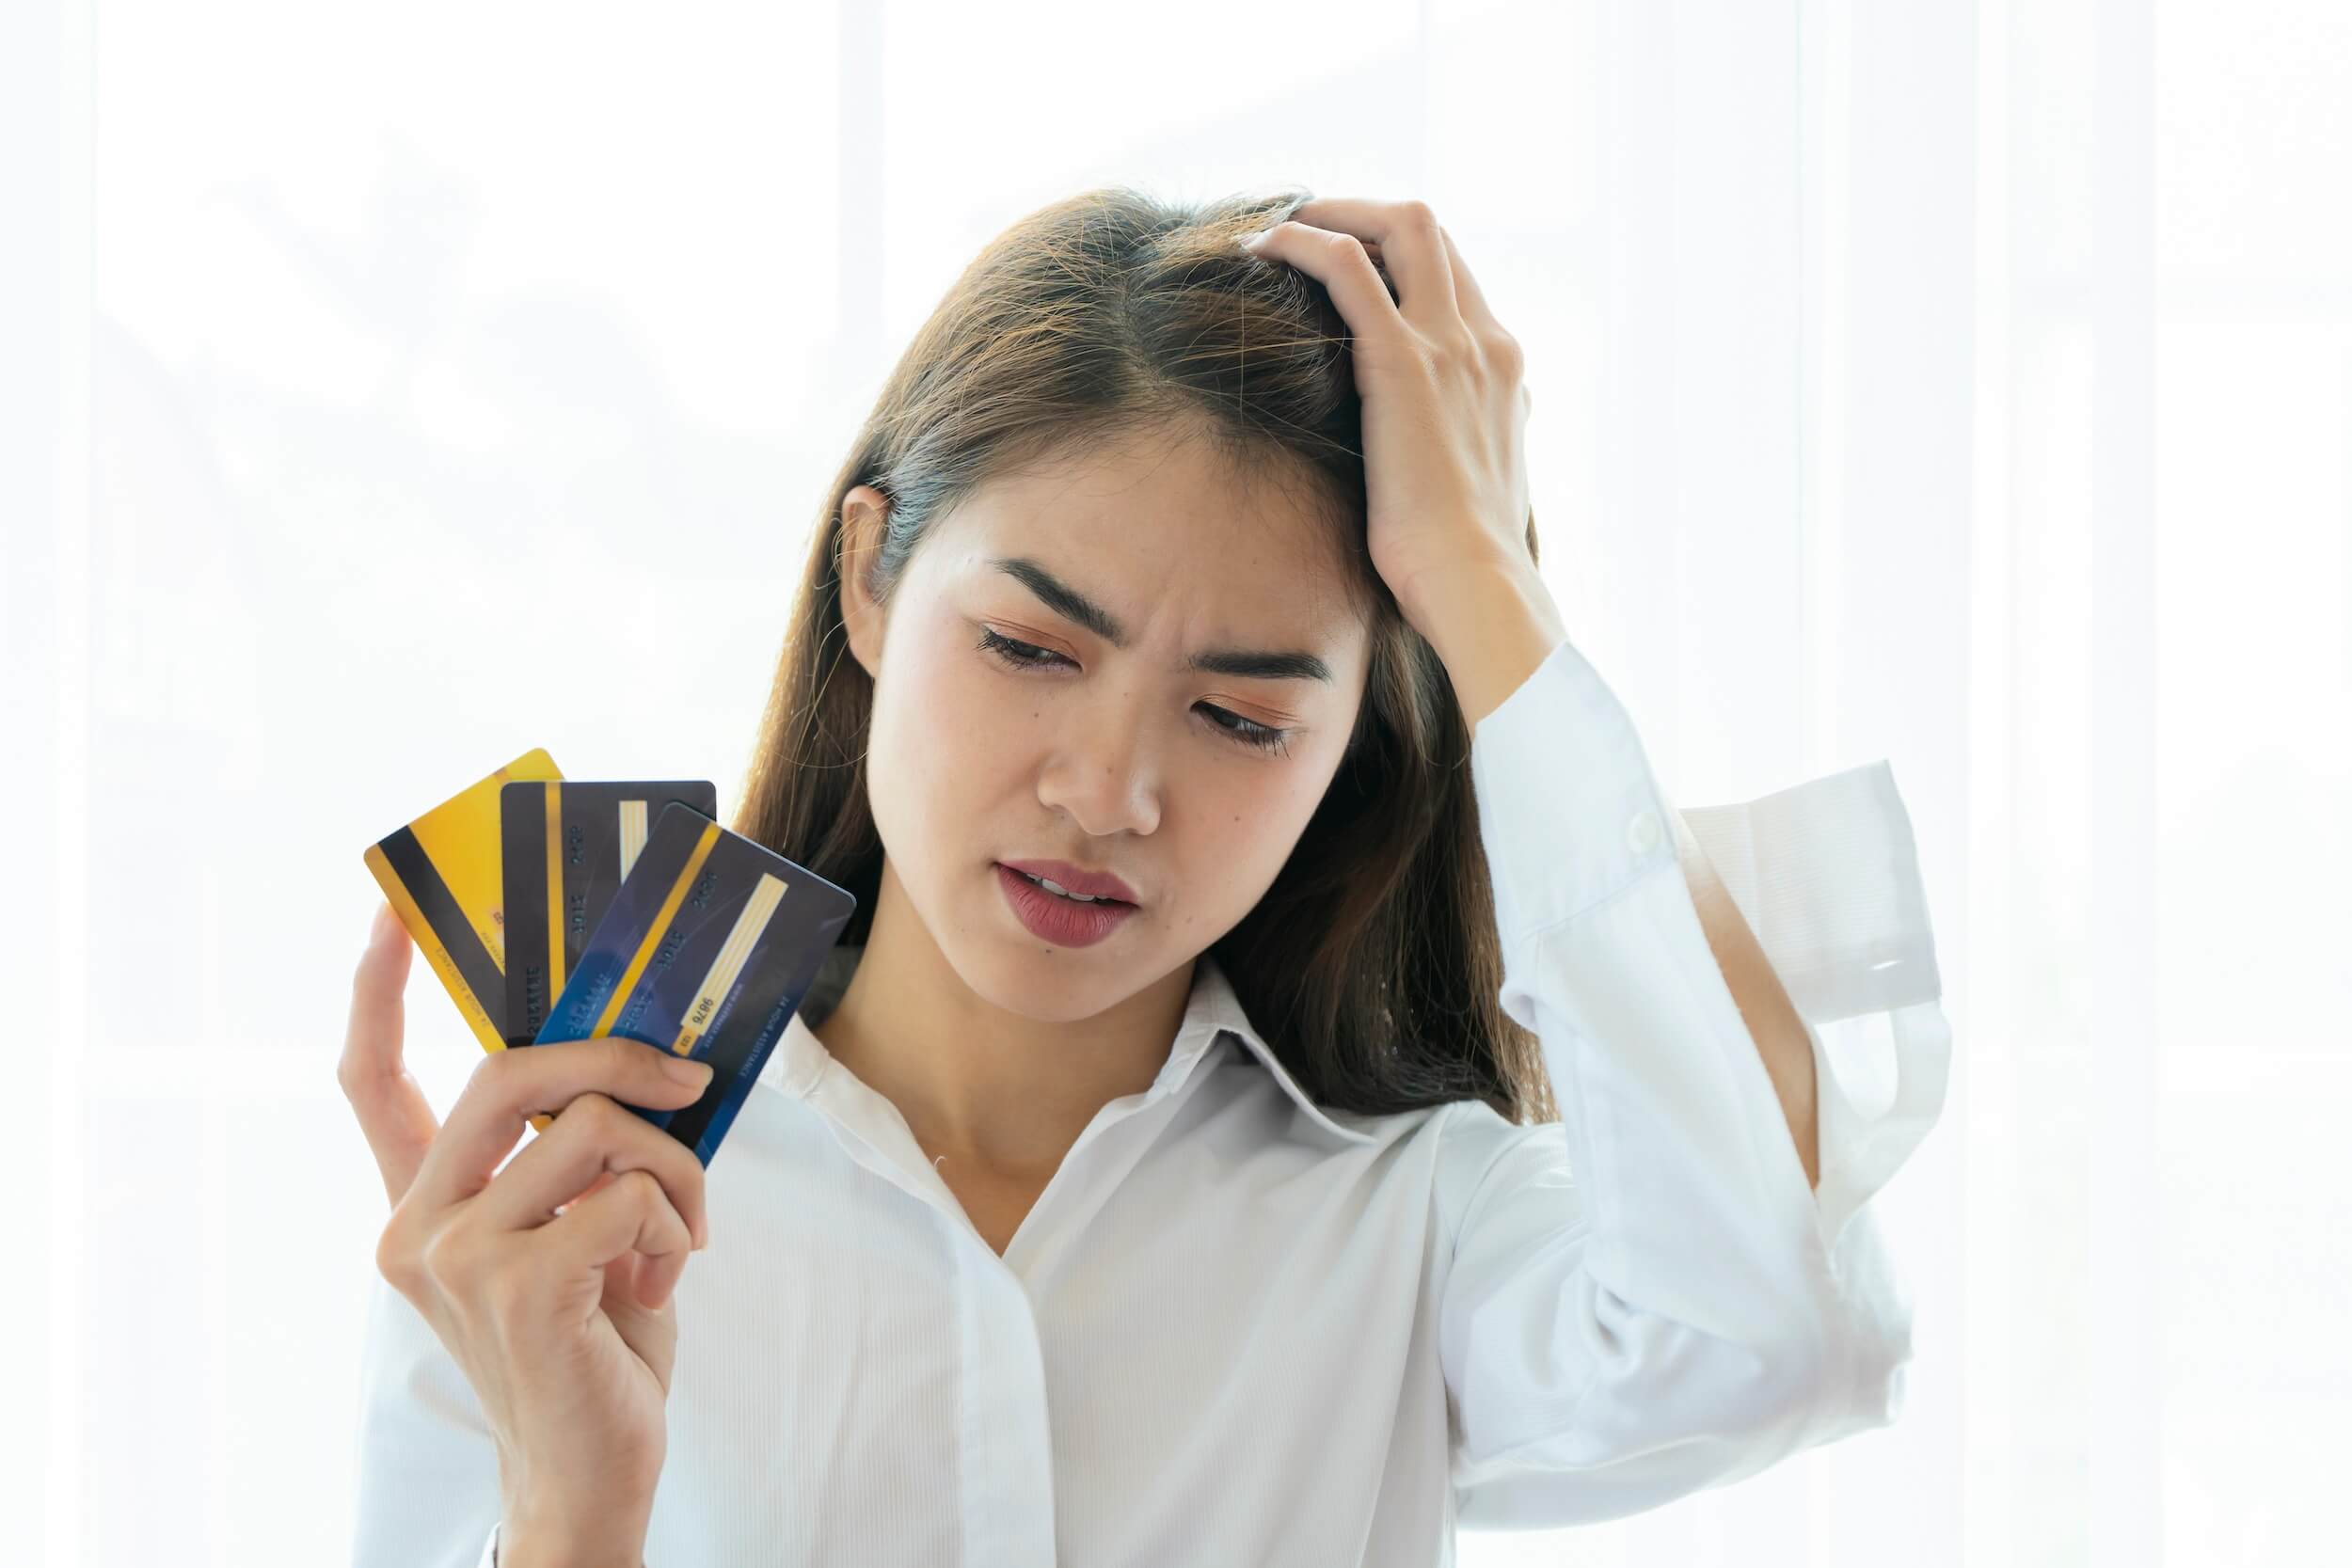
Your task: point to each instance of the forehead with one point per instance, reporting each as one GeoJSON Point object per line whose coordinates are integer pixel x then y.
{"type": "Point", "coordinates": [1164, 528]}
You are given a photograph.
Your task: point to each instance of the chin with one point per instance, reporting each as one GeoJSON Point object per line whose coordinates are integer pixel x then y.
{"type": "Point", "coordinates": [1042, 985]}
{"type": "Point", "coordinates": [1024, 974]}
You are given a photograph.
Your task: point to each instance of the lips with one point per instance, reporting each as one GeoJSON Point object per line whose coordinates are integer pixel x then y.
{"type": "Point", "coordinates": [1071, 879]}
{"type": "Point", "coordinates": [1063, 922]}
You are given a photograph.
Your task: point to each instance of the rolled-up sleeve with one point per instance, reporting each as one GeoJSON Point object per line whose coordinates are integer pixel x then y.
{"type": "Point", "coordinates": [1645, 1297]}
{"type": "Point", "coordinates": [428, 1464]}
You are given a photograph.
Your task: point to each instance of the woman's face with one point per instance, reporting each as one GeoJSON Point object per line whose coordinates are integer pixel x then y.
{"type": "Point", "coordinates": [1109, 752]}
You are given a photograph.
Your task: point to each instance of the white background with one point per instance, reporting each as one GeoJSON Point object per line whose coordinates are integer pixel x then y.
{"type": "Point", "coordinates": [385, 391]}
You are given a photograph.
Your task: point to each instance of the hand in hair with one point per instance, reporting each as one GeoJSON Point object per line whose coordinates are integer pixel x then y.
{"type": "Point", "coordinates": [1444, 409]}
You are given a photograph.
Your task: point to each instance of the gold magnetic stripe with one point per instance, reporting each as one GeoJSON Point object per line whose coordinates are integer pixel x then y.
{"type": "Point", "coordinates": [556, 915]}
{"type": "Point", "coordinates": [758, 910]}
{"type": "Point", "coordinates": [655, 932]}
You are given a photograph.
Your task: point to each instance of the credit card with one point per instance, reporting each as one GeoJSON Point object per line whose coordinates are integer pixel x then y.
{"type": "Point", "coordinates": [444, 878]}
{"type": "Point", "coordinates": [568, 845]}
{"type": "Point", "coordinates": [706, 951]}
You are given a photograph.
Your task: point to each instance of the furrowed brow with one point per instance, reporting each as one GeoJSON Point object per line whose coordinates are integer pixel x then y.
{"type": "Point", "coordinates": [1073, 606]}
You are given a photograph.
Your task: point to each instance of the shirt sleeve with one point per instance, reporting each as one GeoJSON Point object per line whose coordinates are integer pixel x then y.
{"type": "Point", "coordinates": [428, 1492]}
{"type": "Point", "coordinates": [1645, 1297]}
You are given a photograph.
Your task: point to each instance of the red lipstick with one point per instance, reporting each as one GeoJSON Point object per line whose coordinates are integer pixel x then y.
{"type": "Point", "coordinates": [1064, 922]}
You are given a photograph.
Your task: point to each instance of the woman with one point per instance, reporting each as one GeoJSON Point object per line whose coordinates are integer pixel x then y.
{"type": "Point", "coordinates": [1232, 1220]}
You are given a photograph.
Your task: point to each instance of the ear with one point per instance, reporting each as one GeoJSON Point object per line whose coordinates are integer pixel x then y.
{"type": "Point", "coordinates": [863, 509]}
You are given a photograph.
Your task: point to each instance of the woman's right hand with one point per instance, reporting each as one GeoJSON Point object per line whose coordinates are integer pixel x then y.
{"type": "Point", "coordinates": [549, 1280]}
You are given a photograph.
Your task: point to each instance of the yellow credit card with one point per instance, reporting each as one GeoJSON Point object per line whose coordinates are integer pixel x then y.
{"type": "Point", "coordinates": [445, 878]}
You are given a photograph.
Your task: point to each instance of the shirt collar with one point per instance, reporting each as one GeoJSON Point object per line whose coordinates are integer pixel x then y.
{"type": "Point", "coordinates": [1212, 1013]}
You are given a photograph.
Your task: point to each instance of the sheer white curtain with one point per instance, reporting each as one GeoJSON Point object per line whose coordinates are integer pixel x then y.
{"type": "Point", "coordinates": [1976, 392]}
{"type": "Point", "coordinates": [1964, 384]}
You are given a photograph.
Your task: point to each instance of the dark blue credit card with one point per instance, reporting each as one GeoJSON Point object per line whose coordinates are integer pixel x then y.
{"type": "Point", "coordinates": [706, 952]}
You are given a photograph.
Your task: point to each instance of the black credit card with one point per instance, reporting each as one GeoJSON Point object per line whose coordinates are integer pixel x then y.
{"type": "Point", "coordinates": [566, 846]}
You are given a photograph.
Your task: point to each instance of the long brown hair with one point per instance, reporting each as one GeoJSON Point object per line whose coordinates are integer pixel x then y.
{"type": "Point", "coordinates": [1372, 964]}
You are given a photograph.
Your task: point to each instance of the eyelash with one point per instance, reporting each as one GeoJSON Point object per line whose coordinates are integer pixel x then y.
{"type": "Point", "coordinates": [1246, 732]}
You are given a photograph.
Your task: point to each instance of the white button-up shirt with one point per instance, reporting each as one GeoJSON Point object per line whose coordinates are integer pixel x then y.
{"type": "Point", "coordinates": [1237, 1327]}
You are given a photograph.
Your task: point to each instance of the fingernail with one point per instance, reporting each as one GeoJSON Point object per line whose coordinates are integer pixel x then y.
{"type": "Point", "coordinates": [1252, 241]}
{"type": "Point", "coordinates": [686, 1070]}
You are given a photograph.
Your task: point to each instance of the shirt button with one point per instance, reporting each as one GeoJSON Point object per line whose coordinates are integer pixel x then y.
{"type": "Point", "coordinates": [1642, 833]}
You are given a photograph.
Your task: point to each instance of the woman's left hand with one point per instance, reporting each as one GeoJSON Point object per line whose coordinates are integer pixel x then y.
{"type": "Point", "coordinates": [1445, 472]}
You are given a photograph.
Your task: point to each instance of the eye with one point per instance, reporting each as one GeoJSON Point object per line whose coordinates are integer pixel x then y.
{"type": "Point", "coordinates": [1028, 656]}
{"type": "Point", "coordinates": [1017, 653]}
{"type": "Point", "coordinates": [1247, 731]}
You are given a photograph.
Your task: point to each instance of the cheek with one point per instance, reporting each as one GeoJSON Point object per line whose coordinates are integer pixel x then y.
{"type": "Point", "coordinates": [961, 704]}
{"type": "Point", "coordinates": [1245, 821]}
{"type": "Point", "coordinates": [945, 731]}
{"type": "Point", "coordinates": [939, 770]}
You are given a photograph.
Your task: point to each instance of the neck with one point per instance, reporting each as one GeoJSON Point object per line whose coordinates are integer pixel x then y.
{"type": "Point", "coordinates": [987, 1089]}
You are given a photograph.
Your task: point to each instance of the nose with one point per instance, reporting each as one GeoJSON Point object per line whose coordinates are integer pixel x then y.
{"type": "Point", "coordinates": [1101, 771]}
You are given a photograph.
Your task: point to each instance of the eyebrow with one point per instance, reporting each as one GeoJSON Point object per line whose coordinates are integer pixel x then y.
{"type": "Point", "coordinates": [1070, 605]}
